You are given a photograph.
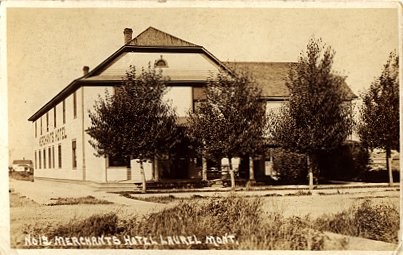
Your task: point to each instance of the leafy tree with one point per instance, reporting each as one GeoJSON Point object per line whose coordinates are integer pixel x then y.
{"type": "Point", "coordinates": [135, 122]}
{"type": "Point", "coordinates": [379, 125]}
{"type": "Point", "coordinates": [231, 121]}
{"type": "Point", "coordinates": [316, 117]}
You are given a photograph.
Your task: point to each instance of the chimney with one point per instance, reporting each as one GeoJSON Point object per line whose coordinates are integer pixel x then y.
{"type": "Point", "coordinates": [128, 33]}
{"type": "Point", "coordinates": [86, 69]}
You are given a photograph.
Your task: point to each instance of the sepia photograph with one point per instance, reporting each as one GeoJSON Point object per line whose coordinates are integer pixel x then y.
{"type": "Point", "coordinates": [201, 125]}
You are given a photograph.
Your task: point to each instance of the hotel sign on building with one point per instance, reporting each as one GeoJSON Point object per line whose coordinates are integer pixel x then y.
{"type": "Point", "coordinates": [61, 148]}
{"type": "Point", "coordinates": [54, 136]}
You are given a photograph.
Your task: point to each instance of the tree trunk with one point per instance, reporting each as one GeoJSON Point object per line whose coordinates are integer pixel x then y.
{"type": "Point", "coordinates": [231, 172]}
{"type": "Point", "coordinates": [251, 170]}
{"type": "Point", "coordinates": [143, 177]}
{"type": "Point", "coordinates": [204, 169]}
{"type": "Point", "coordinates": [156, 170]}
{"type": "Point", "coordinates": [389, 165]}
{"type": "Point", "coordinates": [129, 169]}
{"type": "Point", "coordinates": [310, 171]}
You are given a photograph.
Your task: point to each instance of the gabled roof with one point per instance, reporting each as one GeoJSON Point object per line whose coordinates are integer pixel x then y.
{"type": "Point", "coordinates": [271, 77]}
{"type": "Point", "coordinates": [154, 37]}
{"type": "Point", "coordinates": [150, 40]}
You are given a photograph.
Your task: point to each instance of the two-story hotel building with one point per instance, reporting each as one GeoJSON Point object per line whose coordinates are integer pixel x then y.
{"type": "Point", "coordinates": [61, 149]}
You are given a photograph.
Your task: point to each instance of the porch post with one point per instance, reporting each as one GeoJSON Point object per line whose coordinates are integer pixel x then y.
{"type": "Point", "coordinates": [204, 169]}
{"type": "Point", "coordinates": [156, 170]}
{"type": "Point", "coordinates": [310, 172]}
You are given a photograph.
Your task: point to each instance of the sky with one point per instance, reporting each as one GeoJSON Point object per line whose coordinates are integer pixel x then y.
{"type": "Point", "coordinates": [47, 47]}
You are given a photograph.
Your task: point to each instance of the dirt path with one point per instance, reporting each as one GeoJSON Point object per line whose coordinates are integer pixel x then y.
{"type": "Point", "coordinates": [44, 192]}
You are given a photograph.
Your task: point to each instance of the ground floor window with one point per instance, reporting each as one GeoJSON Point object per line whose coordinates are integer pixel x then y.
{"type": "Point", "coordinates": [35, 159]}
{"type": "Point", "coordinates": [40, 159]}
{"type": "Point", "coordinates": [74, 153]}
{"type": "Point", "coordinates": [50, 157]}
{"type": "Point", "coordinates": [268, 166]}
{"type": "Point", "coordinates": [44, 158]}
{"type": "Point", "coordinates": [117, 161]}
{"type": "Point", "coordinates": [53, 156]}
{"type": "Point", "coordinates": [59, 155]}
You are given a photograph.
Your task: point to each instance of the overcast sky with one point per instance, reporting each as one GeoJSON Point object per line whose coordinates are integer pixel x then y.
{"type": "Point", "coordinates": [47, 48]}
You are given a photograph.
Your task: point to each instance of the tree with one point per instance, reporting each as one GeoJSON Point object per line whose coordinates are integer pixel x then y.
{"type": "Point", "coordinates": [379, 125]}
{"type": "Point", "coordinates": [135, 122]}
{"type": "Point", "coordinates": [317, 117]}
{"type": "Point", "coordinates": [231, 121]}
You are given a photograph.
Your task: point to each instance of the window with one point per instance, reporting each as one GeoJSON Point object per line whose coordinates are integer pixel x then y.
{"type": "Point", "coordinates": [50, 157]}
{"type": "Point", "coordinates": [36, 129]}
{"type": "Point", "coordinates": [74, 153]}
{"type": "Point", "coordinates": [64, 112]}
{"type": "Point", "coordinates": [41, 125]}
{"type": "Point", "coordinates": [53, 156]}
{"type": "Point", "coordinates": [116, 89]}
{"type": "Point", "coordinates": [160, 62]}
{"type": "Point", "coordinates": [40, 159]}
{"type": "Point", "coordinates": [74, 105]}
{"type": "Point", "coordinates": [54, 117]}
{"type": "Point", "coordinates": [35, 160]}
{"type": "Point", "coordinates": [197, 104]}
{"type": "Point", "coordinates": [59, 155]}
{"type": "Point", "coordinates": [44, 158]}
{"type": "Point", "coordinates": [117, 161]}
{"type": "Point", "coordinates": [47, 122]}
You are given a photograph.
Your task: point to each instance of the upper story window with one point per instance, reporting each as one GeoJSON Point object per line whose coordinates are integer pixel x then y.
{"type": "Point", "coordinates": [160, 62]}
{"type": "Point", "coordinates": [41, 124]}
{"type": "Point", "coordinates": [47, 122]}
{"type": "Point", "coordinates": [54, 117]}
{"type": "Point", "coordinates": [64, 111]}
{"type": "Point", "coordinates": [36, 130]}
{"type": "Point", "coordinates": [74, 105]}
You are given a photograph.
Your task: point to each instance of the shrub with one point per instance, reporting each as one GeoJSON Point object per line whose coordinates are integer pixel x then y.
{"type": "Point", "coordinates": [373, 221]}
{"type": "Point", "coordinates": [213, 216]}
{"type": "Point", "coordinates": [95, 225]}
{"type": "Point", "coordinates": [347, 162]}
{"type": "Point", "coordinates": [22, 176]}
{"type": "Point", "coordinates": [281, 233]}
{"type": "Point", "coordinates": [78, 200]}
{"type": "Point", "coordinates": [379, 222]}
{"type": "Point", "coordinates": [379, 175]}
{"type": "Point", "coordinates": [290, 166]}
